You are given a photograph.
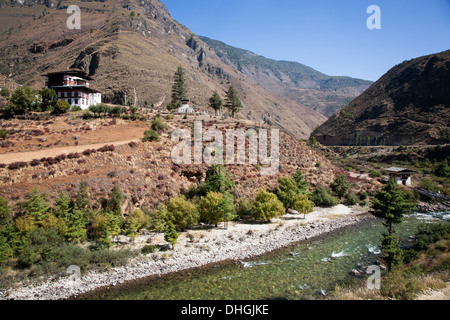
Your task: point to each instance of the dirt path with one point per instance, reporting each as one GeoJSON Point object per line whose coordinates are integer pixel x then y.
{"type": "Point", "coordinates": [443, 294]}
{"type": "Point", "coordinates": [53, 152]}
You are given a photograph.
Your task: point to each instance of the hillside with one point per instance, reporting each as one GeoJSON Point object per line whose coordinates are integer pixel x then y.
{"type": "Point", "coordinates": [129, 45]}
{"type": "Point", "coordinates": [410, 104]}
{"type": "Point", "coordinates": [320, 92]}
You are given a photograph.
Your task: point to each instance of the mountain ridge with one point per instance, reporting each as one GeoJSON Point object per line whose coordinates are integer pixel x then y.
{"type": "Point", "coordinates": [409, 104]}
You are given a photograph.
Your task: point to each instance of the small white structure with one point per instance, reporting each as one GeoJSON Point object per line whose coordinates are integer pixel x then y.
{"type": "Point", "coordinates": [400, 175]}
{"type": "Point", "coordinates": [185, 107]}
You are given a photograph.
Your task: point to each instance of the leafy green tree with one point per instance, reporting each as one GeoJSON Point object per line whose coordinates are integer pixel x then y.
{"type": "Point", "coordinates": [136, 221]}
{"type": "Point", "coordinates": [49, 97]}
{"type": "Point", "coordinates": [340, 186]}
{"type": "Point", "coordinates": [106, 225]}
{"type": "Point", "coordinates": [287, 191]}
{"type": "Point", "coordinates": [391, 205]}
{"type": "Point", "coordinates": [302, 204]}
{"type": "Point", "coordinates": [171, 235]}
{"type": "Point", "coordinates": [216, 102]}
{"type": "Point", "coordinates": [232, 101]}
{"type": "Point", "coordinates": [267, 206]}
{"type": "Point", "coordinates": [62, 106]}
{"type": "Point", "coordinates": [22, 100]}
{"type": "Point", "coordinates": [179, 88]}
{"type": "Point", "coordinates": [182, 213]}
{"type": "Point", "coordinates": [216, 207]}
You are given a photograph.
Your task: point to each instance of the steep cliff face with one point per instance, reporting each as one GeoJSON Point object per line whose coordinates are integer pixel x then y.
{"type": "Point", "coordinates": [128, 46]}
{"type": "Point", "coordinates": [410, 104]}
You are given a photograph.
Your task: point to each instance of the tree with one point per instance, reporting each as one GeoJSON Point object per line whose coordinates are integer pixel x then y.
{"type": "Point", "coordinates": [62, 205]}
{"type": "Point", "coordinates": [115, 201]}
{"type": "Point", "coordinates": [217, 180]}
{"type": "Point", "coordinates": [22, 101]}
{"type": "Point", "coordinates": [390, 204]}
{"type": "Point", "coordinates": [267, 206]}
{"type": "Point", "coordinates": [216, 207]}
{"type": "Point", "coordinates": [6, 250]}
{"type": "Point", "coordinates": [171, 235]}
{"type": "Point", "coordinates": [340, 186]}
{"type": "Point", "coordinates": [179, 89]}
{"type": "Point", "coordinates": [135, 222]}
{"type": "Point", "coordinates": [105, 225]}
{"type": "Point", "coordinates": [287, 191]}
{"type": "Point", "coordinates": [182, 213]}
{"type": "Point", "coordinates": [82, 201]}
{"type": "Point", "coordinates": [36, 205]}
{"type": "Point", "coordinates": [232, 101]}
{"type": "Point", "coordinates": [215, 102]}
{"type": "Point", "coordinates": [302, 204]}
{"type": "Point", "coordinates": [158, 124]}
{"type": "Point", "coordinates": [302, 184]}
{"type": "Point", "coordinates": [442, 169]}
{"type": "Point", "coordinates": [48, 96]}
{"type": "Point", "coordinates": [75, 221]}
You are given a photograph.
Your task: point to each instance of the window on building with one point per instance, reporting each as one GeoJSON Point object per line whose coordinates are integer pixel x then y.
{"type": "Point", "coordinates": [73, 94]}
{"type": "Point", "coordinates": [59, 94]}
{"type": "Point", "coordinates": [65, 94]}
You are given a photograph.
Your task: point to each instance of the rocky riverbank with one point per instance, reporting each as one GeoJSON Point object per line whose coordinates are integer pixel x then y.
{"type": "Point", "coordinates": [198, 248]}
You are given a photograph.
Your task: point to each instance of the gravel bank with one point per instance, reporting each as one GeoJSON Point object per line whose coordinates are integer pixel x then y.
{"type": "Point", "coordinates": [198, 248]}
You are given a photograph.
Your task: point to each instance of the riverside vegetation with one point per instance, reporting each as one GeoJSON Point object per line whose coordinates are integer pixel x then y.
{"type": "Point", "coordinates": [37, 238]}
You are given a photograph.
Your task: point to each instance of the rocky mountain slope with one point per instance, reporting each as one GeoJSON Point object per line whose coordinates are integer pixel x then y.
{"type": "Point", "coordinates": [128, 46]}
{"type": "Point", "coordinates": [410, 104]}
{"type": "Point", "coordinates": [318, 91]}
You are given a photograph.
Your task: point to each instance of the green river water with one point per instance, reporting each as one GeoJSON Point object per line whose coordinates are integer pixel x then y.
{"type": "Point", "coordinates": [306, 270]}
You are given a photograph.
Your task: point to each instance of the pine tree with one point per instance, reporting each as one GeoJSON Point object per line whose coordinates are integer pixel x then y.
{"type": "Point", "coordinates": [287, 191]}
{"type": "Point", "coordinates": [75, 222]}
{"type": "Point", "coordinates": [302, 184]}
{"type": "Point", "coordinates": [390, 204]}
{"type": "Point", "coordinates": [62, 205]}
{"type": "Point", "coordinates": [82, 201]}
{"type": "Point", "coordinates": [115, 201]}
{"type": "Point", "coordinates": [215, 102]}
{"type": "Point", "coordinates": [36, 205]}
{"type": "Point", "coordinates": [179, 89]}
{"type": "Point", "coordinates": [232, 101]}
{"type": "Point", "coordinates": [171, 235]}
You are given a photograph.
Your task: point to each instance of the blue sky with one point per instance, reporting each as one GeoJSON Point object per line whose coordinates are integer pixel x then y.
{"type": "Point", "coordinates": [328, 35]}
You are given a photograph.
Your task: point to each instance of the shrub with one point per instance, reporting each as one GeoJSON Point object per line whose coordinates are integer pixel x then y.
{"type": "Point", "coordinates": [148, 249]}
{"type": "Point", "coordinates": [17, 165]}
{"type": "Point", "coordinates": [351, 199]}
{"type": "Point", "coordinates": [151, 135]}
{"type": "Point", "coordinates": [243, 208]}
{"type": "Point", "coordinates": [73, 155]}
{"type": "Point", "coordinates": [4, 134]}
{"type": "Point", "coordinates": [132, 144]}
{"type": "Point", "coordinates": [107, 148]}
{"type": "Point", "coordinates": [61, 107]}
{"type": "Point", "coordinates": [321, 197]}
{"type": "Point", "coordinates": [158, 124]}
{"type": "Point", "coordinates": [375, 173]}
{"type": "Point", "coordinates": [429, 233]}
{"type": "Point", "coordinates": [35, 162]}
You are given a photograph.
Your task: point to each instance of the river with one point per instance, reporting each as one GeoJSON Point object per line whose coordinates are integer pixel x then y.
{"type": "Point", "coordinates": [304, 271]}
